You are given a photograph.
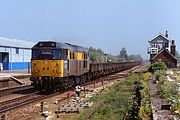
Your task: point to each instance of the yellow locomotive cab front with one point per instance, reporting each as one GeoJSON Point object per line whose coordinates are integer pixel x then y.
{"type": "Point", "coordinates": [49, 68]}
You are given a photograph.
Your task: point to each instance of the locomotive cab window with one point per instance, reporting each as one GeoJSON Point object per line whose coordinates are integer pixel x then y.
{"type": "Point", "coordinates": [49, 54]}
{"type": "Point", "coordinates": [73, 56]}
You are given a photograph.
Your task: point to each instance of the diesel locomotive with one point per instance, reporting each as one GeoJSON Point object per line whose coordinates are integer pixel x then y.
{"type": "Point", "coordinates": [56, 66]}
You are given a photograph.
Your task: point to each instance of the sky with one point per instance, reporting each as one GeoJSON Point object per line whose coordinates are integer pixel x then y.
{"type": "Point", "coordinates": [105, 24]}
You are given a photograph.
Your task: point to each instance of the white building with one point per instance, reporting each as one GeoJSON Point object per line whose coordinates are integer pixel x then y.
{"type": "Point", "coordinates": [15, 54]}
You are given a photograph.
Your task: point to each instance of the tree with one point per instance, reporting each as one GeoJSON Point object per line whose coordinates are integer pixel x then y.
{"type": "Point", "coordinates": [100, 51]}
{"type": "Point", "coordinates": [135, 58]}
{"type": "Point", "coordinates": [96, 55]}
{"type": "Point", "coordinates": [123, 55]}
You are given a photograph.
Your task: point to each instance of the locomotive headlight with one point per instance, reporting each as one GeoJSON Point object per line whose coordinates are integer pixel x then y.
{"type": "Point", "coordinates": [46, 62]}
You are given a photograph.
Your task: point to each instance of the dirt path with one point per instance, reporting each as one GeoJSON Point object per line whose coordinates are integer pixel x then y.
{"type": "Point", "coordinates": [156, 102]}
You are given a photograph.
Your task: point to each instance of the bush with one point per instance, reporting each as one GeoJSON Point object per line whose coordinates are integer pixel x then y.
{"type": "Point", "coordinates": [147, 76]}
{"type": "Point", "coordinates": [135, 77]}
{"type": "Point", "coordinates": [145, 112]}
{"type": "Point", "coordinates": [157, 66]}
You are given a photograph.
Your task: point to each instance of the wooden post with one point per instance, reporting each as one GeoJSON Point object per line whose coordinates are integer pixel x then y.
{"type": "Point", "coordinates": [68, 96]}
{"type": "Point", "coordinates": [42, 106]}
{"type": "Point", "coordinates": [84, 91]}
{"type": "Point", "coordinates": [102, 82]}
{"type": "Point", "coordinates": [94, 84]}
{"type": "Point", "coordinates": [28, 67]}
{"type": "Point", "coordinates": [58, 115]}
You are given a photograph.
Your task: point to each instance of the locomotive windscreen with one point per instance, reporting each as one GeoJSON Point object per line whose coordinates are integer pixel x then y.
{"type": "Point", "coordinates": [49, 54]}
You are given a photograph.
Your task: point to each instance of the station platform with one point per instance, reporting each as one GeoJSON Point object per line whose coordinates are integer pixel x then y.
{"type": "Point", "coordinates": [14, 78]}
{"type": "Point", "coordinates": [18, 74]}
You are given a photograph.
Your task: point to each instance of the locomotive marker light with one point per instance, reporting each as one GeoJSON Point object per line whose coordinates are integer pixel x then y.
{"type": "Point", "coordinates": [45, 62]}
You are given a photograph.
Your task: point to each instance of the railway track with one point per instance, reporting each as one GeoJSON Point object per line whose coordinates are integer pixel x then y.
{"type": "Point", "coordinates": [24, 100]}
{"type": "Point", "coordinates": [13, 103]}
{"type": "Point", "coordinates": [37, 96]}
{"type": "Point", "coordinates": [27, 99]}
{"type": "Point", "coordinates": [7, 91]}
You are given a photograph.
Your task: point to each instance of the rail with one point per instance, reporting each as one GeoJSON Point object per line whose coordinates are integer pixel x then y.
{"type": "Point", "coordinates": [6, 91]}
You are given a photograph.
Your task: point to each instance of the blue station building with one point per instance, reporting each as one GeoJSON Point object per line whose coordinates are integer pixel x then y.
{"type": "Point", "coordinates": [15, 54]}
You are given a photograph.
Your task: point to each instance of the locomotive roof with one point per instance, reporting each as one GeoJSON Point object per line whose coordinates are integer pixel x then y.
{"type": "Point", "coordinates": [54, 44]}
{"type": "Point", "coordinates": [77, 48]}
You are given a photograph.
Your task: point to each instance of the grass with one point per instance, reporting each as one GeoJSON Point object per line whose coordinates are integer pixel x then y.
{"type": "Point", "coordinates": [111, 104]}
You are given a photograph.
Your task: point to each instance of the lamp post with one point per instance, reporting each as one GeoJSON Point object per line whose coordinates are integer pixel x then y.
{"type": "Point", "coordinates": [106, 57]}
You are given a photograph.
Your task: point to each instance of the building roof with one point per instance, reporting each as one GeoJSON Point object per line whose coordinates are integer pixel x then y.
{"type": "Point", "coordinates": [159, 34]}
{"type": "Point", "coordinates": [164, 50]}
{"type": "Point", "coordinates": [7, 42]}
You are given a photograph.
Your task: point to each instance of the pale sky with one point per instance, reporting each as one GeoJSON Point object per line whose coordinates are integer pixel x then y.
{"type": "Point", "coordinates": [106, 24]}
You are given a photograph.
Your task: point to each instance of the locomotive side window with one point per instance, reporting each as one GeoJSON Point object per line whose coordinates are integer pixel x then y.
{"type": "Point", "coordinates": [85, 64]}
{"type": "Point", "coordinates": [84, 56]}
{"type": "Point", "coordinates": [64, 54]}
{"type": "Point", "coordinates": [73, 56]}
{"type": "Point", "coordinates": [36, 53]}
{"type": "Point", "coordinates": [70, 55]}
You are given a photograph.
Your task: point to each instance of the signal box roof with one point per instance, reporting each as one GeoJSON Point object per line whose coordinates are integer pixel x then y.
{"type": "Point", "coordinates": [159, 36]}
